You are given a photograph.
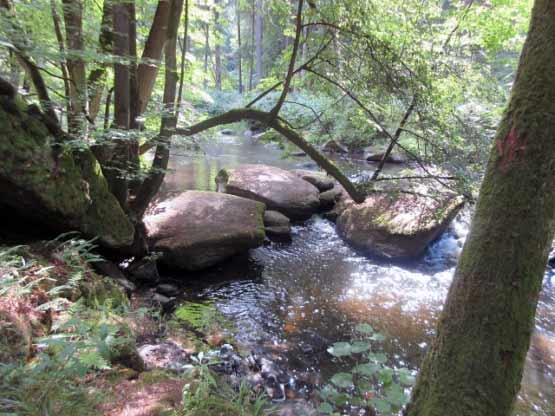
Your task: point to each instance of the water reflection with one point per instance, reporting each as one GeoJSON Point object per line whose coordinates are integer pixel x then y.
{"type": "Point", "coordinates": [293, 300]}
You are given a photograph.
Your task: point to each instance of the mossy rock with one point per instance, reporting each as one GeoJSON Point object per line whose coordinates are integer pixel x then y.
{"type": "Point", "coordinates": [397, 225]}
{"type": "Point", "coordinates": [51, 184]}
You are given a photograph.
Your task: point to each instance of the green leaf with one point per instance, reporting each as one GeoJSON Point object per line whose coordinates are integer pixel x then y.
{"type": "Point", "coordinates": [325, 408]}
{"type": "Point", "coordinates": [343, 380]}
{"type": "Point", "coordinates": [395, 395]}
{"type": "Point", "coordinates": [379, 357]}
{"type": "Point", "coordinates": [360, 346]}
{"type": "Point", "coordinates": [385, 375]}
{"type": "Point", "coordinates": [381, 405]}
{"type": "Point", "coordinates": [367, 369]}
{"type": "Point", "coordinates": [328, 392]}
{"type": "Point", "coordinates": [406, 378]}
{"type": "Point", "coordinates": [377, 337]}
{"type": "Point", "coordinates": [340, 349]}
{"type": "Point", "coordinates": [364, 329]}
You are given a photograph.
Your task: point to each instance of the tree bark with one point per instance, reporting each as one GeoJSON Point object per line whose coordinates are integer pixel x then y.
{"type": "Point", "coordinates": [147, 70]}
{"type": "Point", "coordinates": [217, 46]}
{"type": "Point", "coordinates": [152, 183]}
{"type": "Point", "coordinates": [97, 78]}
{"type": "Point", "coordinates": [239, 46]}
{"type": "Point", "coordinates": [258, 22]}
{"type": "Point", "coordinates": [474, 365]}
{"type": "Point", "coordinates": [184, 47]}
{"type": "Point", "coordinates": [117, 166]}
{"type": "Point", "coordinates": [251, 55]}
{"type": "Point", "coordinates": [73, 19]}
{"type": "Point", "coordinates": [61, 46]}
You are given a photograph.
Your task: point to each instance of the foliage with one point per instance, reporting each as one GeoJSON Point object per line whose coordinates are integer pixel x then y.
{"type": "Point", "coordinates": [209, 395]}
{"type": "Point", "coordinates": [370, 383]}
{"type": "Point", "coordinates": [76, 323]}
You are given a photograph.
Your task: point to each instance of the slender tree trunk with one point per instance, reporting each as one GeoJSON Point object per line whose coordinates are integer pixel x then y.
{"type": "Point", "coordinates": [97, 77]}
{"type": "Point", "coordinates": [169, 119]}
{"type": "Point", "coordinates": [147, 70]}
{"type": "Point", "coordinates": [117, 166]}
{"type": "Point", "coordinates": [474, 365]}
{"type": "Point", "coordinates": [217, 46]}
{"type": "Point", "coordinates": [239, 47]}
{"type": "Point", "coordinates": [258, 41]}
{"type": "Point", "coordinates": [184, 47]}
{"type": "Point", "coordinates": [251, 55]}
{"type": "Point", "coordinates": [206, 53]}
{"type": "Point", "coordinates": [61, 46]}
{"type": "Point", "coordinates": [73, 19]}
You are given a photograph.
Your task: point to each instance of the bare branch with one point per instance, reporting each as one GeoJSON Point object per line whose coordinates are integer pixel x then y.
{"type": "Point", "coordinates": [280, 126]}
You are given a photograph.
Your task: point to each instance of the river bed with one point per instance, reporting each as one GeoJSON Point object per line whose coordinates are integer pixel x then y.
{"type": "Point", "coordinates": [292, 300]}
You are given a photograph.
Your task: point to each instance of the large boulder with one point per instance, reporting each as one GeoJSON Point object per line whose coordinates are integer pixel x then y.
{"type": "Point", "coordinates": [319, 179]}
{"type": "Point", "coordinates": [47, 186]}
{"type": "Point", "coordinates": [279, 189]}
{"type": "Point", "coordinates": [397, 225]}
{"type": "Point", "coordinates": [196, 230]}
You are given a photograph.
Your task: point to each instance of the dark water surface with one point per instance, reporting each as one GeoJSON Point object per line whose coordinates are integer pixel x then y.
{"type": "Point", "coordinates": [293, 300]}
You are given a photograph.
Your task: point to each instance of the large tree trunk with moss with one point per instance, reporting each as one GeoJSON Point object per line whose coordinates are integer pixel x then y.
{"type": "Point", "coordinates": [474, 366]}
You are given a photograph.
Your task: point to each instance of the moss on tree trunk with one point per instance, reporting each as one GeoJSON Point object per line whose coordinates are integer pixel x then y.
{"type": "Point", "coordinates": [474, 366]}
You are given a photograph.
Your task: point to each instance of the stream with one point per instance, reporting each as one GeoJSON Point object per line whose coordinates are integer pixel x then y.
{"type": "Point", "coordinates": [290, 301]}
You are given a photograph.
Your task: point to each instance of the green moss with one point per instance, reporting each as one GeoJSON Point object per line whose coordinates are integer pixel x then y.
{"type": "Point", "coordinates": [66, 187]}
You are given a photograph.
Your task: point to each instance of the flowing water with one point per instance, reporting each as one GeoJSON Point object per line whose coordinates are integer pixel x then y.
{"type": "Point", "coordinates": [293, 300]}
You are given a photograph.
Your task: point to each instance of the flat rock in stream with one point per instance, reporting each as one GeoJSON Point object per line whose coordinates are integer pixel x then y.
{"type": "Point", "coordinates": [280, 190]}
{"type": "Point", "coordinates": [196, 230]}
{"type": "Point", "coordinates": [318, 179]}
{"type": "Point", "coordinates": [397, 225]}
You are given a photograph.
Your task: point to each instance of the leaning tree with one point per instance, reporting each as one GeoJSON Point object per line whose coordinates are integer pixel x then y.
{"type": "Point", "coordinates": [475, 363]}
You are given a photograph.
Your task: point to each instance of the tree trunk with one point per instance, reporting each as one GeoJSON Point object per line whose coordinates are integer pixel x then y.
{"type": "Point", "coordinates": [97, 77]}
{"type": "Point", "coordinates": [184, 47]}
{"type": "Point", "coordinates": [148, 68]}
{"type": "Point", "coordinates": [239, 50]}
{"type": "Point", "coordinates": [169, 120]}
{"type": "Point", "coordinates": [251, 55]}
{"type": "Point", "coordinates": [217, 46]}
{"type": "Point", "coordinates": [115, 172]}
{"type": "Point", "coordinates": [258, 41]}
{"type": "Point", "coordinates": [206, 53]}
{"type": "Point", "coordinates": [474, 366]}
{"type": "Point", "coordinates": [61, 46]}
{"type": "Point", "coordinates": [73, 19]}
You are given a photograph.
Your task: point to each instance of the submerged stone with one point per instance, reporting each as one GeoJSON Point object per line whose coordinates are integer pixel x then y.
{"type": "Point", "coordinates": [280, 190]}
{"type": "Point", "coordinates": [196, 230]}
{"type": "Point", "coordinates": [397, 225]}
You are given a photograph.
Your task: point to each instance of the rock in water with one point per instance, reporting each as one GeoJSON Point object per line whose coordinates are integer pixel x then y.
{"type": "Point", "coordinates": [196, 230]}
{"type": "Point", "coordinates": [279, 189]}
{"type": "Point", "coordinates": [333, 146]}
{"type": "Point", "coordinates": [318, 179]}
{"type": "Point", "coordinates": [397, 225]}
{"type": "Point", "coordinates": [277, 225]}
{"type": "Point", "coordinates": [329, 198]}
